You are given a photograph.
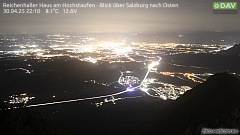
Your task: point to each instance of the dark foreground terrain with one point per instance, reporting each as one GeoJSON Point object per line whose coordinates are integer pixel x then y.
{"type": "Point", "coordinates": [212, 104]}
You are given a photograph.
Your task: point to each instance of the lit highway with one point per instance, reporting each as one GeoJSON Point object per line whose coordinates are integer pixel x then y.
{"type": "Point", "coordinates": [129, 89]}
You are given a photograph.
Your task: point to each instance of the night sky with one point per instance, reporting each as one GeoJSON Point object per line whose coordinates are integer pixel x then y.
{"type": "Point", "coordinates": [190, 16]}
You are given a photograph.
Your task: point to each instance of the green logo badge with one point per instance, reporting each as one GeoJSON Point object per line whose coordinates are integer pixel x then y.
{"type": "Point", "coordinates": [224, 5]}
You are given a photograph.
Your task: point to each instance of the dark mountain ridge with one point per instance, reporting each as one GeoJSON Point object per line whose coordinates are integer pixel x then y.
{"type": "Point", "coordinates": [214, 99]}
{"type": "Point", "coordinates": [235, 50]}
{"type": "Point", "coordinates": [212, 104]}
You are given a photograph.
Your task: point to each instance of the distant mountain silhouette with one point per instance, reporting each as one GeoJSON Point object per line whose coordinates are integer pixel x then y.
{"type": "Point", "coordinates": [235, 50]}
{"type": "Point", "coordinates": [206, 105]}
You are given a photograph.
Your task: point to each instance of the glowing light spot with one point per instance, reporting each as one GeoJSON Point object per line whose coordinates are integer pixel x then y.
{"type": "Point", "coordinates": [144, 89]}
{"type": "Point", "coordinates": [130, 89]}
{"type": "Point", "coordinates": [153, 64]}
{"type": "Point", "coordinates": [163, 97]}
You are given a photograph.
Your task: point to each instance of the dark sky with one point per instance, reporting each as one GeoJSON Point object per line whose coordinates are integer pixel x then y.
{"type": "Point", "coordinates": [190, 16]}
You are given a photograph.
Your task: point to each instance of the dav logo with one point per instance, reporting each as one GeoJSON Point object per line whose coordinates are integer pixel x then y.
{"type": "Point", "coordinates": [224, 5]}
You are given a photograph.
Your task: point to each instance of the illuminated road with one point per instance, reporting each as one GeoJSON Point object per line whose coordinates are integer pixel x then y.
{"type": "Point", "coordinates": [75, 100]}
{"type": "Point", "coordinates": [152, 65]}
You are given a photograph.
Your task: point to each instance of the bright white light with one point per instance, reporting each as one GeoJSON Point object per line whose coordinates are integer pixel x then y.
{"type": "Point", "coordinates": [122, 50]}
{"type": "Point", "coordinates": [90, 59]}
{"type": "Point", "coordinates": [163, 97]}
{"type": "Point", "coordinates": [94, 61]}
{"type": "Point", "coordinates": [153, 64]}
{"type": "Point", "coordinates": [37, 50]}
{"type": "Point", "coordinates": [39, 54]}
{"type": "Point", "coordinates": [144, 89]}
{"type": "Point", "coordinates": [33, 46]}
{"type": "Point", "coordinates": [130, 89]}
{"type": "Point", "coordinates": [110, 45]}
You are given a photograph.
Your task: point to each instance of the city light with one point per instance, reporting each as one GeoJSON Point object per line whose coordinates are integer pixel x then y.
{"type": "Point", "coordinates": [91, 49]}
{"type": "Point", "coordinates": [20, 99]}
{"type": "Point", "coordinates": [130, 89]}
{"type": "Point", "coordinates": [144, 89]}
{"type": "Point", "coordinates": [153, 64]}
